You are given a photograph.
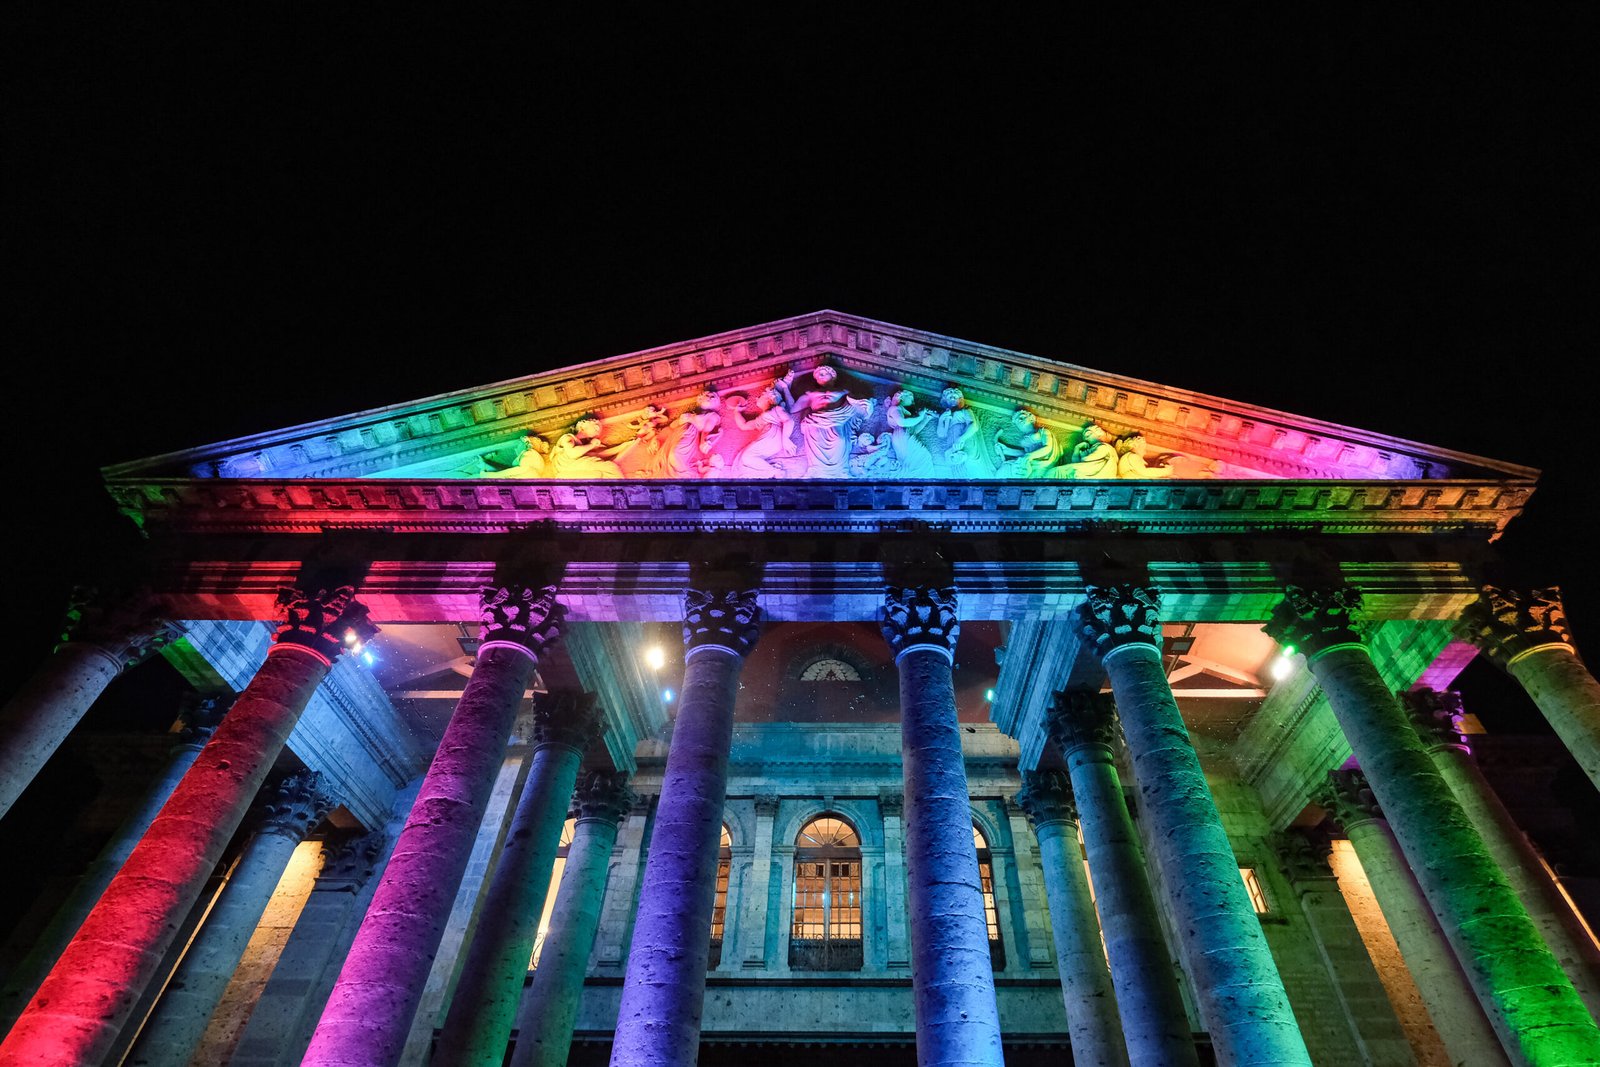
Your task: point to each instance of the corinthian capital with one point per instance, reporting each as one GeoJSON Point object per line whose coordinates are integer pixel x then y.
{"type": "Point", "coordinates": [1436, 714]}
{"type": "Point", "coordinates": [1506, 623]}
{"type": "Point", "coordinates": [323, 623]}
{"type": "Point", "coordinates": [1079, 717]}
{"type": "Point", "coordinates": [920, 617]}
{"type": "Point", "coordinates": [128, 628]}
{"type": "Point", "coordinates": [525, 617]}
{"type": "Point", "coordinates": [1349, 798]}
{"type": "Point", "coordinates": [349, 863]}
{"type": "Point", "coordinates": [1316, 619]}
{"type": "Point", "coordinates": [723, 618]}
{"type": "Point", "coordinates": [565, 717]}
{"type": "Point", "coordinates": [296, 807]}
{"type": "Point", "coordinates": [602, 795]}
{"type": "Point", "coordinates": [1112, 616]}
{"type": "Point", "coordinates": [1046, 797]}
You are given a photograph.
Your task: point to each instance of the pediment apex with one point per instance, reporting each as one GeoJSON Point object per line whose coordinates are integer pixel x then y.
{"type": "Point", "coordinates": [1235, 439]}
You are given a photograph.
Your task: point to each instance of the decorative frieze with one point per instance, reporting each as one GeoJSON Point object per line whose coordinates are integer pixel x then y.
{"type": "Point", "coordinates": [1506, 622]}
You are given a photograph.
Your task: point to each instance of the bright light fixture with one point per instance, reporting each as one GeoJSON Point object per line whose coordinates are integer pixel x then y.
{"type": "Point", "coordinates": [655, 657]}
{"type": "Point", "coordinates": [988, 694]}
{"type": "Point", "coordinates": [666, 696]}
{"type": "Point", "coordinates": [1281, 667]}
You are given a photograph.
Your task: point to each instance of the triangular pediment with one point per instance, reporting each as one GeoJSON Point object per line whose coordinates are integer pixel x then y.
{"type": "Point", "coordinates": [655, 422]}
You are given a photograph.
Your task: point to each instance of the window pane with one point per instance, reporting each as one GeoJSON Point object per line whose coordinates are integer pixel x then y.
{"type": "Point", "coordinates": [1252, 885]}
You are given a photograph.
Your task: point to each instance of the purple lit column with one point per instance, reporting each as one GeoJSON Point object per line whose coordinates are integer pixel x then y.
{"type": "Point", "coordinates": [369, 1011]}
{"type": "Point", "coordinates": [1242, 1000]}
{"type": "Point", "coordinates": [658, 1023]}
{"type": "Point", "coordinates": [483, 1007]}
{"type": "Point", "coordinates": [200, 721]}
{"type": "Point", "coordinates": [1437, 717]}
{"type": "Point", "coordinates": [81, 1007]}
{"type": "Point", "coordinates": [952, 976]}
{"type": "Point", "coordinates": [173, 1032]}
{"type": "Point", "coordinates": [1528, 999]}
{"type": "Point", "coordinates": [550, 1006]}
{"type": "Point", "coordinates": [1153, 1018]}
{"type": "Point", "coordinates": [1092, 1017]}
{"type": "Point", "coordinates": [1524, 631]}
{"type": "Point", "coordinates": [104, 638]}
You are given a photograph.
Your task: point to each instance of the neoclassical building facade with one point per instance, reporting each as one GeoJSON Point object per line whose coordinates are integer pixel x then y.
{"type": "Point", "coordinates": [820, 689]}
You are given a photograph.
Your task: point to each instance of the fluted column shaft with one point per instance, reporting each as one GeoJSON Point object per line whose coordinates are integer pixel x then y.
{"type": "Point", "coordinates": [952, 976]}
{"type": "Point", "coordinates": [1242, 999]}
{"type": "Point", "coordinates": [107, 638]}
{"type": "Point", "coordinates": [173, 1032]}
{"type": "Point", "coordinates": [1528, 999]}
{"type": "Point", "coordinates": [658, 1022]}
{"type": "Point", "coordinates": [369, 1011]}
{"type": "Point", "coordinates": [1093, 1020]}
{"type": "Point", "coordinates": [30, 971]}
{"type": "Point", "coordinates": [1437, 718]}
{"type": "Point", "coordinates": [81, 1007]}
{"type": "Point", "coordinates": [483, 1007]}
{"type": "Point", "coordinates": [1153, 1017]}
{"type": "Point", "coordinates": [1524, 631]}
{"type": "Point", "coordinates": [1446, 993]}
{"type": "Point", "coordinates": [549, 1010]}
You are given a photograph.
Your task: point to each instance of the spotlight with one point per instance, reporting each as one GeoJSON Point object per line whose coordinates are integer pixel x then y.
{"type": "Point", "coordinates": [988, 694]}
{"type": "Point", "coordinates": [1281, 668]}
{"type": "Point", "coordinates": [666, 696]}
{"type": "Point", "coordinates": [655, 657]}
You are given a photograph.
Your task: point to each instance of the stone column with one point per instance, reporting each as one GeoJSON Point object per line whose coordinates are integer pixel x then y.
{"type": "Point", "coordinates": [1528, 999]}
{"type": "Point", "coordinates": [550, 1006]}
{"type": "Point", "coordinates": [658, 1022]}
{"type": "Point", "coordinates": [483, 1007]}
{"type": "Point", "coordinates": [1153, 1018]}
{"type": "Point", "coordinates": [369, 1011]}
{"type": "Point", "coordinates": [1437, 718]}
{"type": "Point", "coordinates": [753, 902]}
{"type": "Point", "coordinates": [173, 1032]}
{"type": "Point", "coordinates": [200, 720]}
{"type": "Point", "coordinates": [280, 1024]}
{"type": "Point", "coordinates": [1451, 1003]}
{"type": "Point", "coordinates": [952, 977]}
{"type": "Point", "coordinates": [1525, 633]}
{"type": "Point", "coordinates": [893, 806]}
{"type": "Point", "coordinates": [1092, 1016]}
{"type": "Point", "coordinates": [104, 638]}
{"type": "Point", "coordinates": [81, 1007]}
{"type": "Point", "coordinates": [1242, 999]}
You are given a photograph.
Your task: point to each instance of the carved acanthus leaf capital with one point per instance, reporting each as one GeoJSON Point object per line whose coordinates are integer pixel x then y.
{"type": "Point", "coordinates": [721, 618]}
{"type": "Point", "coordinates": [526, 616]}
{"type": "Point", "coordinates": [323, 622]}
{"type": "Point", "coordinates": [1316, 619]}
{"type": "Point", "coordinates": [602, 795]}
{"type": "Point", "coordinates": [1436, 714]}
{"type": "Point", "coordinates": [914, 616]}
{"type": "Point", "coordinates": [1304, 853]}
{"type": "Point", "coordinates": [296, 807]}
{"type": "Point", "coordinates": [1079, 717]}
{"type": "Point", "coordinates": [565, 717]}
{"type": "Point", "coordinates": [349, 863]}
{"type": "Point", "coordinates": [200, 716]}
{"type": "Point", "coordinates": [1349, 798]}
{"type": "Point", "coordinates": [1506, 622]}
{"type": "Point", "coordinates": [1112, 616]}
{"type": "Point", "coordinates": [766, 804]}
{"type": "Point", "coordinates": [129, 628]}
{"type": "Point", "coordinates": [1046, 797]}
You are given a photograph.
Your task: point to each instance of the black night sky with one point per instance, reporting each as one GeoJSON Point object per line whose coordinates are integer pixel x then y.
{"type": "Point", "coordinates": [1383, 219]}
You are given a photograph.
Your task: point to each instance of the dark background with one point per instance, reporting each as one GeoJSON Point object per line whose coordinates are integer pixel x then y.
{"type": "Point", "coordinates": [1383, 219]}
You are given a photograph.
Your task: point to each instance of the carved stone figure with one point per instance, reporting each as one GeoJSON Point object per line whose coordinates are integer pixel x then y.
{"type": "Point", "coordinates": [1093, 456]}
{"type": "Point", "coordinates": [1026, 449]}
{"type": "Point", "coordinates": [693, 438]}
{"type": "Point", "coordinates": [826, 423]}
{"type": "Point", "coordinates": [534, 462]}
{"type": "Point", "coordinates": [911, 456]}
{"type": "Point", "coordinates": [643, 455]}
{"type": "Point", "coordinates": [955, 438]}
{"type": "Point", "coordinates": [871, 457]}
{"type": "Point", "coordinates": [771, 453]}
{"type": "Point", "coordinates": [581, 454]}
{"type": "Point", "coordinates": [1131, 461]}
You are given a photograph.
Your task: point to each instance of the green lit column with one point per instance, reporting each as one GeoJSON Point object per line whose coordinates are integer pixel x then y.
{"type": "Point", "coordinates": [1437, 717]}
{"type": "Point", "coordinates": [1524, 631]}
{"type": "Point", "coordinates": [1528, 999]}
{"type": "Point", "coordinates": [1242, 999]}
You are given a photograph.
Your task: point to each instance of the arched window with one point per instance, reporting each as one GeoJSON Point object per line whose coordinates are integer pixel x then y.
{"type": "Point", "coordinates": [550, 895]}
{"type": "Point", "coordinates": [826, 932]}
{"type": "Point", "coordinates": [997, 951]}
{"type": "Point", "coordinates": [719, 910]}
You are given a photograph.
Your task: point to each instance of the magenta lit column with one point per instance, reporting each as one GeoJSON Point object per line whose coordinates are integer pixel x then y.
{"type": "Point", "coordinates": [105, 636]}
{"type": "Point", "coordinates": [1242, 999]}
{"type": "Point", "coordinates": [658, 1023]}
{"type": "Point", "coordinates": [1528, 998]}
{"type": "Point", "coordinates": [369, 1012]}
{"type": "Point", "coordinates": [82, 1005]}
{"type": "Point", "coordinates": [483, 1007]}
{"type": "Point", "coordinates": [952, 976]}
